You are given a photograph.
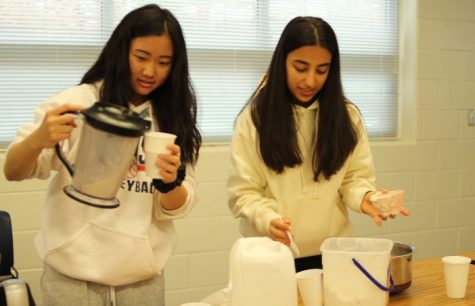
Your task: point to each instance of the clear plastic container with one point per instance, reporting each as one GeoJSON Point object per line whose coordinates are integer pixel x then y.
{"type": "Point", "coordinates": [389, 203]}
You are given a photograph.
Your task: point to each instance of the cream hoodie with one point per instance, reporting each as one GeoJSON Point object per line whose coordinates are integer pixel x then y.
{"type": "Point", "coordinates": [317, 210]}
{"type": "Point", "coordinates": [109, 246]}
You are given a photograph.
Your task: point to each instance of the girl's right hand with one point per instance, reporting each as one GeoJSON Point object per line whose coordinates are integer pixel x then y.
{"type": "Point", "coordinates": [278, 230]}
{"type": "Point", "coordinates": [56, 125]}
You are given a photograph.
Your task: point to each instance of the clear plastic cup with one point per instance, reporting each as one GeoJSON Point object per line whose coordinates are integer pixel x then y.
{"type": "Point", "coordinates": [389, 203]}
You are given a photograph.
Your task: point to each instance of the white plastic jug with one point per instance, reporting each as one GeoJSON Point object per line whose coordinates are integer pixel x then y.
{"type": "Point", "coordinates": [262, 272]}
{"type": "Point", "coordinates": [356, 271]}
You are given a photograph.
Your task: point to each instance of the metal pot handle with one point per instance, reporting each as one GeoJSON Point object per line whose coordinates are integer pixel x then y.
{"type": "Point", "coordinates": [372, 279]}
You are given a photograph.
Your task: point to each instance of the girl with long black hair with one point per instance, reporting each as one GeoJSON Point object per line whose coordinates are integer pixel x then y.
{"type": "Point", "coordinates": [96, 256]}
{"type": "Point", "coordinates": [300, 154]}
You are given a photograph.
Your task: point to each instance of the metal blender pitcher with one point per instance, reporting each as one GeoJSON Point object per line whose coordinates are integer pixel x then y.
{"type": "Point", "coordinates": [107, 146]}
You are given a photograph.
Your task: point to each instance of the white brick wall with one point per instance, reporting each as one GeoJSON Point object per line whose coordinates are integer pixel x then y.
{"type": "Point", "coordinates": [436, 169]}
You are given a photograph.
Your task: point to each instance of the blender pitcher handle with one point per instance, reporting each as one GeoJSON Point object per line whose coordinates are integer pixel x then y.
{"type": "Point", "coordinates": [60, 153]}
{"type": "Point", "coordinates": [63, 159]}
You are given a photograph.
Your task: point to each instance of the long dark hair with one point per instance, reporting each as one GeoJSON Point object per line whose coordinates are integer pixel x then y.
{"type": "Point", "coordinates": [273, 111]}
{"type": "Point", "coordinates": [174, 103]}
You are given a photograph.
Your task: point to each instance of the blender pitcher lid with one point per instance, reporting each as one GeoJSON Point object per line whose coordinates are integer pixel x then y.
{"type": "Point", "coordinates": [115, 119]}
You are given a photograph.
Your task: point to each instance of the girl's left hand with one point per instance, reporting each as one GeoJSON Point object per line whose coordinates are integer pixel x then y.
{"type": "Point", "coordinates": [168, 164]}
{"type": "Point", "coordinates": [368, 208]}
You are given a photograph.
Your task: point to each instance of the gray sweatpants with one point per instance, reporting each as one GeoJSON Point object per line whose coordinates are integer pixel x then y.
{"type": "Point", "coordinates": [59, 289]}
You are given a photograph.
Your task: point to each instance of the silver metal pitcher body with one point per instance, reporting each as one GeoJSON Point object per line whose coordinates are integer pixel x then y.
{"type": "Point", "coordinates": [102, 175]}
{"type": "Point", "coordinates": [107, 146]}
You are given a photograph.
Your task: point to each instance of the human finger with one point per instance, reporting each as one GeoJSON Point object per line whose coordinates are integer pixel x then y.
{"type": "Point", "coordinates": [404, 211]}
{"type": "Point", "coordinates": [174, 149]}
{"type": "Point", "coordinates": [65, 108]}
{"type": "Point", "coordinates": [278, 235]}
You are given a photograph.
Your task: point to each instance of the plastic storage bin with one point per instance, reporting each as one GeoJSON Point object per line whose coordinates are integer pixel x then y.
{"type": "Point", "coordinates": [356, 271]}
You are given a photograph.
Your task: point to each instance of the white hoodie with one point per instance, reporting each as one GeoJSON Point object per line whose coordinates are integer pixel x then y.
{"type": "Point", "coordinates": [109, 246]}
{"type": "Point", "coordinates": [317, 210]}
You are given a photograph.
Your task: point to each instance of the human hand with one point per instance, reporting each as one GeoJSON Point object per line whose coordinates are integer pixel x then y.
{"type": "Point", "coordinates": [56, 126]}
{"type": "Point", "coordinates": [278, 230]}
{"type": "Point", "coordinates": [368, 208]}
{"type": "Point", "coordinates": [168, 163]}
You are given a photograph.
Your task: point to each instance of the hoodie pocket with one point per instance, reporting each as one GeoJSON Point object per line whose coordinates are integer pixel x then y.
{"type": "Point", "coordinates": [104, 255]}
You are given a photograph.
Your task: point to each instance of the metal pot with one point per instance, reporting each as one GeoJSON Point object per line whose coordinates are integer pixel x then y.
{"type": "Point", "coordinates": [401, 266]}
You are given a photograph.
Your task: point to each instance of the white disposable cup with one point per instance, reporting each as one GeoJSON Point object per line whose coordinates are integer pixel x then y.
{"type": "Point", "coordinates": [154, 144]}
{"type": "Point", "coordinates": [456, 275]}
{"type": "Point", "coordinates": [310, 285]}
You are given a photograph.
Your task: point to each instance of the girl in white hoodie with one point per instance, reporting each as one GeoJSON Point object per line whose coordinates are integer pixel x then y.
{"type": "Point", "coordinates": [300, 154]}
{"type": "Point", "coordinates": [95, 256]}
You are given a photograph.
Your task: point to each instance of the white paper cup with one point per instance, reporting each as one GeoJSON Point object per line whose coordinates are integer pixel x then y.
{"type": "Point", "coordinates": [456, 275]}
{"type": "Point", "coordinates": [154, 144]}
{"type": "Point", "coordinates": [310, 285]}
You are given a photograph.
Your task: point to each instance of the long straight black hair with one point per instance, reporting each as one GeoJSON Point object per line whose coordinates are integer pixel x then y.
{"type": "Point", "coordinates": [273, 111]}
{"type": "Point", "coordinates": [174, 103]}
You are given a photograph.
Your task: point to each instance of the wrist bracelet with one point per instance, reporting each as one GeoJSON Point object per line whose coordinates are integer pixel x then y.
{"type": "Point", "coordinates": [166, 187]}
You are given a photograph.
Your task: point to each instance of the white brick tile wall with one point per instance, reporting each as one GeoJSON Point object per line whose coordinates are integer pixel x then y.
{"type": "Point", "coordinates": [27, 258]}
{"type": "Point", "coordinates": [213, 200]}
{"type": "Point", "coordinates": [467, 184]}
{"type": "Point", "coordinates": [425, 185]}
{"type": "Point", "coordinates": [455, 213]}
{"type": "Point", "coordinates": [200, 235]}
{"type": "Point", "coordinates": [179, 297]}
{"type": "Point", "coordinates": [446, 65]}
{"type": "Point", "coordinates": [469, 148]}
{"type": "Point", "coordinates": [458, 94]}
{"type": "Point", "coordinates": [364, 226]}
{"type": "Point", "coordinates": [24, 207]}
{"type": "Point", "coordinates": [430, 94]}
{"type": "Point", "coordinates": [445, 94]}
{"type": "Point", "coordinates": [438, 125]}
{"type": "Point", "coordinates": [177, 271]}
{"type": "Point", "coordinates": [423, 217]}
{"type": "Point", "coordinates": [467, 132]}
{"type": "Point", "coordinates": [230, 228]}
{"type": "Point", "coordinates": [447, 9]}
{"type": "Point", "coordinates": [397, 180]}
{"type": "Point", "coordinates": [202, 274]}
{"type": "Point", "coordinates": [439, 34]}
{"type": "Point", "coordinates": [452, 155]}
{"type": "Point", "coordinates": [447, 184]}
{"type": "Point", "coordinates": [425, 156]}
{"type": "Point", "coordinates": [436, 243]}
{"type": "Point", "coordinates": [466, 242]}
{"type": "Point", "coordinates": [213, 164]}
{"type": "Point", "coordinates": [393, 157]}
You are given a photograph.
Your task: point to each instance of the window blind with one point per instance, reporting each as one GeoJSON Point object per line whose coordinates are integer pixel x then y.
{"type": "Point", "coordinates": [46, 46]}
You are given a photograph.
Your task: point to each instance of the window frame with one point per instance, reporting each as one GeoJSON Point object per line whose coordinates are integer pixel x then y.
{"type": "Point", "coordinates": [106, 21]}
